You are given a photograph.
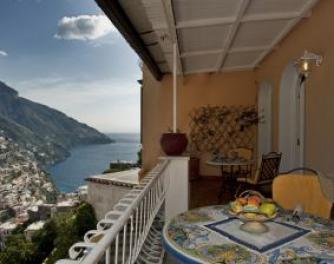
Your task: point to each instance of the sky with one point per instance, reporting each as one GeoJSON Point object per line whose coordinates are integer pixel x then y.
{"type": "Point", "coordinates": [66, 54]}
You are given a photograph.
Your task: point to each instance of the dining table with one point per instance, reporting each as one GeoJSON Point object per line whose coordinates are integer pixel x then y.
{"type": "Point", "coordinates": [213, 235]}
{"type": "Point", "coordinates": [230, 168]}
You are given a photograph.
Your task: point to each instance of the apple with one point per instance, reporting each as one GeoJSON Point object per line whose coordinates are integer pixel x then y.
{"type": "Point", "coordinates": [236, 207]}
{"type": "Point", "coordinates": [254, 200]}
{"type": "Point", "coordinates": [269, 209]}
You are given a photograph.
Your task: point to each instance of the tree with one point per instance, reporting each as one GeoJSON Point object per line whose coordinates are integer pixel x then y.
{"type": "Point", "coordinates": [18, 250]}
{"type": "Point", "coordinates": [85, 219]}
{"type": "Point", "coordinates": [44, 240]}
{"type": "Point", "coordinates": [52, 241]}
{"type": "Point", "coordinates": [140, 158]}
{"type": "Point", "coordinates": [71, 229]}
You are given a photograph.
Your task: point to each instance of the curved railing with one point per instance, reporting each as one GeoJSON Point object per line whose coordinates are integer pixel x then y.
{"type": "Point", "coordinates": [131, 232]}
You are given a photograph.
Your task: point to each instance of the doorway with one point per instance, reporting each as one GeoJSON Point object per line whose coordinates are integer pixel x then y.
{"type": "Point", "coordinates": [265, 118]}
{"type": "Point", "coordinates": [292, 118]}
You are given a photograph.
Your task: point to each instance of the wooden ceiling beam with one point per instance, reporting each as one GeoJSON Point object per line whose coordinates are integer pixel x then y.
{"type": "Point", "coordinates": [116, 14]}
{"type": "Point", "coordinates": [232, 33]}
{"type": "Point", "coordinates": [304, 12]}
{"type": "Point", "coordinates": [205, 22]}
{"type": "Point", "coordinates": [217, 51]}
{"type": "Point", "coordinates": [232, 19]}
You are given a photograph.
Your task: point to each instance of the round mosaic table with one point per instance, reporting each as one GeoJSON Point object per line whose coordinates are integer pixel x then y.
{"type": "Point", "coordinates": [211, 235]}
{"type": "Point", "coordinates": [230, 162]}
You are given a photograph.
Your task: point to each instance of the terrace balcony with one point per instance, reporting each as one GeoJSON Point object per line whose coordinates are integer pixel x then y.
{"type": "Point", "coordinates": [208, 67]}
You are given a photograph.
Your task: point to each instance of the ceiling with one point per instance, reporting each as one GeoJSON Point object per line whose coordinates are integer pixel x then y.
{"type": "Point", "coordinates": [213, 35]}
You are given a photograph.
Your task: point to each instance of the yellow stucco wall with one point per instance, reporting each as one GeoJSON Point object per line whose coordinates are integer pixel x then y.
{"type": "Point", "coordinates": [314, 34]}
{"type": "Point", "coordinates": [196, 90]}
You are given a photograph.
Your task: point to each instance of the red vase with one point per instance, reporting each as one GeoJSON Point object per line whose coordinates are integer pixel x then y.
{"type": "Point", "coordinates": [174, 144]}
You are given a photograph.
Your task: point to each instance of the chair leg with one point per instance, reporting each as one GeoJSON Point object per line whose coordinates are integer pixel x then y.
{"type": "Point", "coordinates": [226, 192]}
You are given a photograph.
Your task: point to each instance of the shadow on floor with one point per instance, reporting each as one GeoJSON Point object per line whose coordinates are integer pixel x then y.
{"type": "Point", "coordinates": [169, 260]}
{"type": "Point", "coordinates": [205, 191]}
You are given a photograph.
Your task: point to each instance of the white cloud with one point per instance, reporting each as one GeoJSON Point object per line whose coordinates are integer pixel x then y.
{"type": "Point", "coordinates": [84, 27]}
{"type": "Point", "coordinates": [3, 53]}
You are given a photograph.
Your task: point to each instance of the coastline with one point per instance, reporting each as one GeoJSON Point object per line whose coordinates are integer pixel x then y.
{"type": "Point", "coordinates": [88, 160]}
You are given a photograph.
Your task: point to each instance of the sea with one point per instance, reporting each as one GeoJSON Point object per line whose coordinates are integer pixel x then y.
{"type": "Point", "coordinates": [92, 160]}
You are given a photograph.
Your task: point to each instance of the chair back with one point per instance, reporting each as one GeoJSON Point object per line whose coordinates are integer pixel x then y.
{"type": "Point", "coordinates": [269, 167]}
{"type": "Point", "coordinates": [290, 190]}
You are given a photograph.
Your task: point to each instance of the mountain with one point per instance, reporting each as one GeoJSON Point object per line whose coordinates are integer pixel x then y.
{"type": "Point", "coordinates": [49, 133]}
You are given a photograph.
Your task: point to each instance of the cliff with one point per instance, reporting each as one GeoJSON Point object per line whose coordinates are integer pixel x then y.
{"type": "Point", "coordinates": [49, 133]}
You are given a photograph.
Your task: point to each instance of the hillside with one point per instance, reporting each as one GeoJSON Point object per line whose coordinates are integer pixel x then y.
{"type": "Point", "coordinates": [49, 133]}
{"type": "Point", "coordinates": [22, 181]}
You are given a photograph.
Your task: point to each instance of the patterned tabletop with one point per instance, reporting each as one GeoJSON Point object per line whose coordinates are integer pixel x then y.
{"type": "Point", "coordinates": [211, 235]}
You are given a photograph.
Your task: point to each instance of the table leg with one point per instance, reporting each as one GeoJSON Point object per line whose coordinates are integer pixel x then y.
{"type": "Point", "coordinates": [230, 184]}
{"type": "Point", "coordinates": [221, 192]}
{"type": "Point", "coordinates": [227, 184]}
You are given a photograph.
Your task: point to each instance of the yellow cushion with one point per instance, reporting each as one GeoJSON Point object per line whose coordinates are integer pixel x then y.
{"type": "Point", "coordinates": [289, 190]}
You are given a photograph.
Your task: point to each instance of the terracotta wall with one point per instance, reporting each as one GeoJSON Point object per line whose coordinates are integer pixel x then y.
{"type": "Point", "coordinates": [196, 90]}
{"type": "Point", "coordinates": [315, 34]}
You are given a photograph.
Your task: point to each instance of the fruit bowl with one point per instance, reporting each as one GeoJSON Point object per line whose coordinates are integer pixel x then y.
{"type": "Point", "coordinates": [253, 209]}
{"type": "Point", "coordinates": [254, 216]}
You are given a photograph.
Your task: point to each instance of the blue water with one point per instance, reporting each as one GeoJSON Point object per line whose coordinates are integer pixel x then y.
{"type": "Point", "coordinates": [93, 159]}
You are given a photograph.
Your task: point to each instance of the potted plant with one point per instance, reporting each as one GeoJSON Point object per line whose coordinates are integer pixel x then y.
{"type": "Point", "coordinates": [248, 118]}
{"type": "Point", "coordinates": [174, 143]}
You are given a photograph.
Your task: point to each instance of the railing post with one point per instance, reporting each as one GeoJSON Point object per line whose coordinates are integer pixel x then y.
{"type": "Point", "coordinates": [176, 180]}
{"type": "Point", "coordinates": [108, 256]}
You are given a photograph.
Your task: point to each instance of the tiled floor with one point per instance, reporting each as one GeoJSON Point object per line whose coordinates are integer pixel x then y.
{"type": "Point", "coordinates": [205, 191]}
{"type": "Point", "coordinates": [168, 260]}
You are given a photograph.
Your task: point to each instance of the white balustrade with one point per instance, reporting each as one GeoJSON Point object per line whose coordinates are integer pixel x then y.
{"type": "Point", "coordinates": [131, 232]}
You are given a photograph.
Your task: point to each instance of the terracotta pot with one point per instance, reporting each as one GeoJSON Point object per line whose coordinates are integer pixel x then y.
{"type": "Point", "coordinates": [174, 144]}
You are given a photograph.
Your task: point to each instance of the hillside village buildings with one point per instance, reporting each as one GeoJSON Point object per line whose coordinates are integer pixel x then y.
{"type": "Point", "coordinates": [22, 183]}
{"type": "Point", "coordinates": [26, 192]}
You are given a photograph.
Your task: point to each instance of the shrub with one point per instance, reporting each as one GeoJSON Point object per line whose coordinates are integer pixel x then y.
{"type": "Point", "coordinates": [53, 241]}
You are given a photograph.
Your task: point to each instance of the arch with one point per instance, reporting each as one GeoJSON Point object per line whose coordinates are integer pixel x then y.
{"type": "Point", "coordinates": [291, 118]}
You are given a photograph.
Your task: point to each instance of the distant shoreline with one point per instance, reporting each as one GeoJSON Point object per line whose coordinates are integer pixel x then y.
{"type": "Point", "coordinates": [110, 135]}
{"type": "Point", "coordinates": [88, 160]}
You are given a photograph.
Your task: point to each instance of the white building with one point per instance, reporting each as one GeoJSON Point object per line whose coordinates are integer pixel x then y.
{"type": "Point", "coordinates": [32, 229]}
{"type": "Point", "coordinates": [5, 230]}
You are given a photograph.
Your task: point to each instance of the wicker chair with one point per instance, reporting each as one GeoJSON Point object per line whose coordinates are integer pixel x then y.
{"type": "Point", "coordinates": [265, 173]}
{"type": "Point", "coordinates": [287, 192]}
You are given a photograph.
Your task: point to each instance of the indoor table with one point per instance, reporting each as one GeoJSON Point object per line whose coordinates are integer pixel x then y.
{"type": "Point", "coordinates": [229, 180]}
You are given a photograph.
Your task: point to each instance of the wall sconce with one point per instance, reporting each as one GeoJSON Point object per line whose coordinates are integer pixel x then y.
{"type": "Point", "coordinates": [305, 62]}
